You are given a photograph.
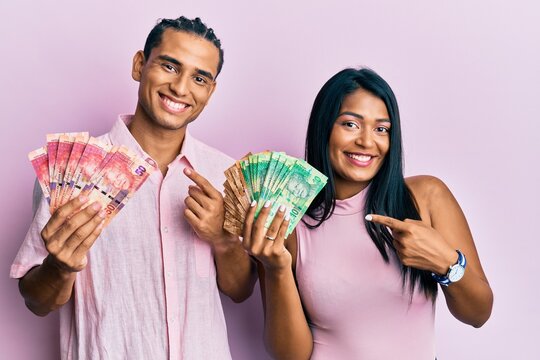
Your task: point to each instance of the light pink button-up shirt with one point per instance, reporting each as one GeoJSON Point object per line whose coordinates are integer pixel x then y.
{"type": "Point", "coordinates": [149, 290]}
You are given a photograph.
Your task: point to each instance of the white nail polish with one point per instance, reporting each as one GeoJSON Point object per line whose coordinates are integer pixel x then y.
{"type": "Point", "coordinates": [282, 208]}
{"type": "Point", "coordinates": [267, 204]}
{"type": "Point", "coordinates": [253, 203]}
{"type": "Point", "coordinates": [369, 217]}
{"type": "Point", "coordinates": [288, 216]}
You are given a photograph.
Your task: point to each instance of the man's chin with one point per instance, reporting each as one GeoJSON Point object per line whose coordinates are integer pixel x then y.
{"type": "Point", "coordinates": [171, 124]}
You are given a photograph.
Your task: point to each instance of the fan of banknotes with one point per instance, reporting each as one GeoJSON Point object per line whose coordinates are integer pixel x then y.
{"type": "Point", "coordinates": [269, 176]}
{"type": "Point", "coordinates": [73, 163]}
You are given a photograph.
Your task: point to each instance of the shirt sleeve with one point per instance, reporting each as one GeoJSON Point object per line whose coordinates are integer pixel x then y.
{"type": "Point", "coordinates": [32, 251]}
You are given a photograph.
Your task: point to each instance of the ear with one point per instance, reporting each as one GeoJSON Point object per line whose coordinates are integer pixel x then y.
{"type": "Point", "coordinates": [138, 63]}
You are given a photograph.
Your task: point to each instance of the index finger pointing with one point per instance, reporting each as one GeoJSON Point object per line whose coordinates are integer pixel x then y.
{"type": "Point", "coordinates": [392, 223]}
{"type": "Point", "coordinates": [201, 182]}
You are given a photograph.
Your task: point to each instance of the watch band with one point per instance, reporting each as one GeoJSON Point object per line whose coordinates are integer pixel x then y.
{"type": "Point", "coordinates": [445, 279]}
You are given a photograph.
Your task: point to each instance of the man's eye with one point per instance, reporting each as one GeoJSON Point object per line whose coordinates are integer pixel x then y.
{"type": "Point", "coordinates": [200, 80]}
{"type": "Point", "coordinates": [169, 68]}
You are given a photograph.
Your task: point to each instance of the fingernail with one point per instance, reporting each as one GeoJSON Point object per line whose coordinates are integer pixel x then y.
{"type": "Point", "coordinates": [369, 217]}
{"type": "Point", "coordinates": [288, 216]}
{"type": "Point", "coordinates": [267, 203]}
{"type": "Point", "coordinates": [96, 206]}
{"type": "Point", "coordinates": [83, 198]}
{"type": "Point", "coordinates": [253, 203]}
{"type": "Point", "coordinates": [187, 171]}
{"type": "Point", "coordinates": [102, 214]}
{"type": "Point", "coordinates": [282, 208]}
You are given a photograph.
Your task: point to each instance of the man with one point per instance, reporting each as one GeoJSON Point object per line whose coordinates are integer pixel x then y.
{"type": "Point", "coordinates": [144, 286]}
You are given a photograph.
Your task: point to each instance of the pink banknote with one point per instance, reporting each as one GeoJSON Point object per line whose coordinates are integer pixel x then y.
{"type": "Point", "coordinates": [40, 163]}
{"type": "Point", "coordinates": [52, 149]}
{"type": "Point", "coordinates": [72, 163]}
{"type": "Point", "coordinates": [65, 144]}
{"type": "Point", "coordinates": [89, 164]}
{"type": "Point", "coordinates": [119, 179]}
{"type": "Point", "coordinates": [76, 152]}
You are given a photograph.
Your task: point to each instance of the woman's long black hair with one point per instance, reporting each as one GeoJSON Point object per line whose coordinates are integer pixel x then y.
{"type": "Point", "coordinates": [387, 194]}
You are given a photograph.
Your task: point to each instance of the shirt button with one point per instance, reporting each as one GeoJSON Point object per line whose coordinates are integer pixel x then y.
{"type": "Point", "coordinates": [165, 229]}
{"type": "Point", "coordinates": [169, 274]}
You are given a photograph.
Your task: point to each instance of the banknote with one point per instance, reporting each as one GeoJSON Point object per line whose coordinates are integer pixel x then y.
{"type": "Point", "coordinates": [109, 175]}
{"type": "Point", "coordinates": [40, 162]}
{"type": "Point", "coordinates": [79, 144]}
{"type": "Point", "coordinates": [65, 143]}
{"type": "Point", "coordinates": [303, 183]}
{"type": "Point", "coordinates": [92, 159]}
{"type": "Point", "coordinates": [269, 176]}
{"type": "Point", "coordinates": [118, 180]}
{"type": "Point", "coordinates": [52, 148]}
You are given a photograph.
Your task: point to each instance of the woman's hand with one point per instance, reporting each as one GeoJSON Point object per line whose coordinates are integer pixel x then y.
{"type": "Point", "coordinates": [418, 245]}
{"type": "Point", "coordinates": [267, 245]}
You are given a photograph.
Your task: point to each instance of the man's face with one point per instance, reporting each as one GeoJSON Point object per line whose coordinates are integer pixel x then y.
{"type": "Point", "coordinates": [177, 80]}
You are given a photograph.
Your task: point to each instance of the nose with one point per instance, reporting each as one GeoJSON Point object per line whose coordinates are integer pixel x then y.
{"type": "Point", "coordinates": [365, 137]}
{"type": "Point", "coordinates": [180, 85]}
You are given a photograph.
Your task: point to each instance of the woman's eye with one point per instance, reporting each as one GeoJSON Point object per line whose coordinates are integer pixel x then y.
{"type": "Point", "coordinates": [350, 124]}
{"type": "Point", "coordinates": [382, 129]}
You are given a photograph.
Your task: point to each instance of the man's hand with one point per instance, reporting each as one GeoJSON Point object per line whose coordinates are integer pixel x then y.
{"type": "Point", "coordinates": [205, 213]}
{"type": "Point", "coordinates": [68, 235]}
{"type": "Point", "coordinates": [204, 209]}
{"type": "Point", "coordinates": [71, 232]}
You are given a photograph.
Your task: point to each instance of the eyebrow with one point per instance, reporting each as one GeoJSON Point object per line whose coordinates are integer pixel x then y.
{"type": "Point", "coordinates": [178, 63]}
{"type": "Point", "coordinates": [358, 116]}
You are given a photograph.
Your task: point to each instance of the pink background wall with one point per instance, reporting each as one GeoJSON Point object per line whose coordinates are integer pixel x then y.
{"type": "Point", "coordinates": [465, 73]}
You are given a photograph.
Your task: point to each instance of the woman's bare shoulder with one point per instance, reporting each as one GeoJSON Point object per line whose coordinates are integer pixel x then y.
{"type": "Point", "coordinates": [429, 193]}
{"type": "Point", "coordinates": [426, 187]}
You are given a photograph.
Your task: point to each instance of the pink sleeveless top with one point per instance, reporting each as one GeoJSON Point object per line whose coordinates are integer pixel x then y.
{"type": "Point", "coordinates": [354, 301]}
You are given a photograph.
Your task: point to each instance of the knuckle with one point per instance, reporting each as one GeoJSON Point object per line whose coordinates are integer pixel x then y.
{"type": "Point", "coordinates": [61, 213]}
{"type": "Point", "coordinates": [97, 220]}
{"type": "Point", "coordinates": [70, 225]}
{"type": "Point", "coordinates": [78, 237]}
{"type": "Point", "coordinates": [257, 226]}
{"type": "Point", "coordinates": [52, 248]}
{"type": "Point", "coordinates": [85, 246]}
{"type": "Point", "coordinates": [45, 234]}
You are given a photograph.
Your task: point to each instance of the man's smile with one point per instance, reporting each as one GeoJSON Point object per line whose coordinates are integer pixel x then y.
{"type": "Point", "coordinates": [173, 106]}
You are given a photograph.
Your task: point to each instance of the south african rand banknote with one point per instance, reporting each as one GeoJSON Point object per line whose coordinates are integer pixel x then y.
{"type": "Point", "coordinates": [269, 176]}
{"type": "Point", "coordinates": [71, 163]}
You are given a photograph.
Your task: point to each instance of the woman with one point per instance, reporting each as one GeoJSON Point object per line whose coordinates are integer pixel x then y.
{"type": "Point", "coordinates": [350, 283]}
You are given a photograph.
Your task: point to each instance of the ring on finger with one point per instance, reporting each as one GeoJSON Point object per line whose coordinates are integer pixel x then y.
{"type": "Point", "coordinates": [271, 238]}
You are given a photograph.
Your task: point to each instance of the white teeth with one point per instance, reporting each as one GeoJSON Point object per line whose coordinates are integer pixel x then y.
{"type": "Point", "coordinates": [363, 158]}
{"type": "Point", "coordinates": [174, 105]}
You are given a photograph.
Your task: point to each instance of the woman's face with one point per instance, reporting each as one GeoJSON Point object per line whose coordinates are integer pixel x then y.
{"type": "Point", "coordinates": [359, 142]}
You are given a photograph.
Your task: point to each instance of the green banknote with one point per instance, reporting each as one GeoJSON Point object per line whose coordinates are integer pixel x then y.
{"type": "Point", "coordinates": [270, 176]}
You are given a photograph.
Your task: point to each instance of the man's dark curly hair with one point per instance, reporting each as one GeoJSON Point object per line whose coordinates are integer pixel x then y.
{"type": "Point", "coordinates": [195, 26]}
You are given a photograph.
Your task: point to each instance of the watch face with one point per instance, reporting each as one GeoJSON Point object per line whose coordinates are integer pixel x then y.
{"type": "Point", "coordinates": [456, 273]}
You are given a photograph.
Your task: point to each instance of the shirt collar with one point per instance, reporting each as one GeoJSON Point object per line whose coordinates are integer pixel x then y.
{"type": "Point", "coordinates": [120, 135]}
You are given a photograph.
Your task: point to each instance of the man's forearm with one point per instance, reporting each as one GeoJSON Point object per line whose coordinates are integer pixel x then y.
{"type": "Point", "coordinates": [46, 287]}
{"type": "Point", "coordinates": [236, 271]}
